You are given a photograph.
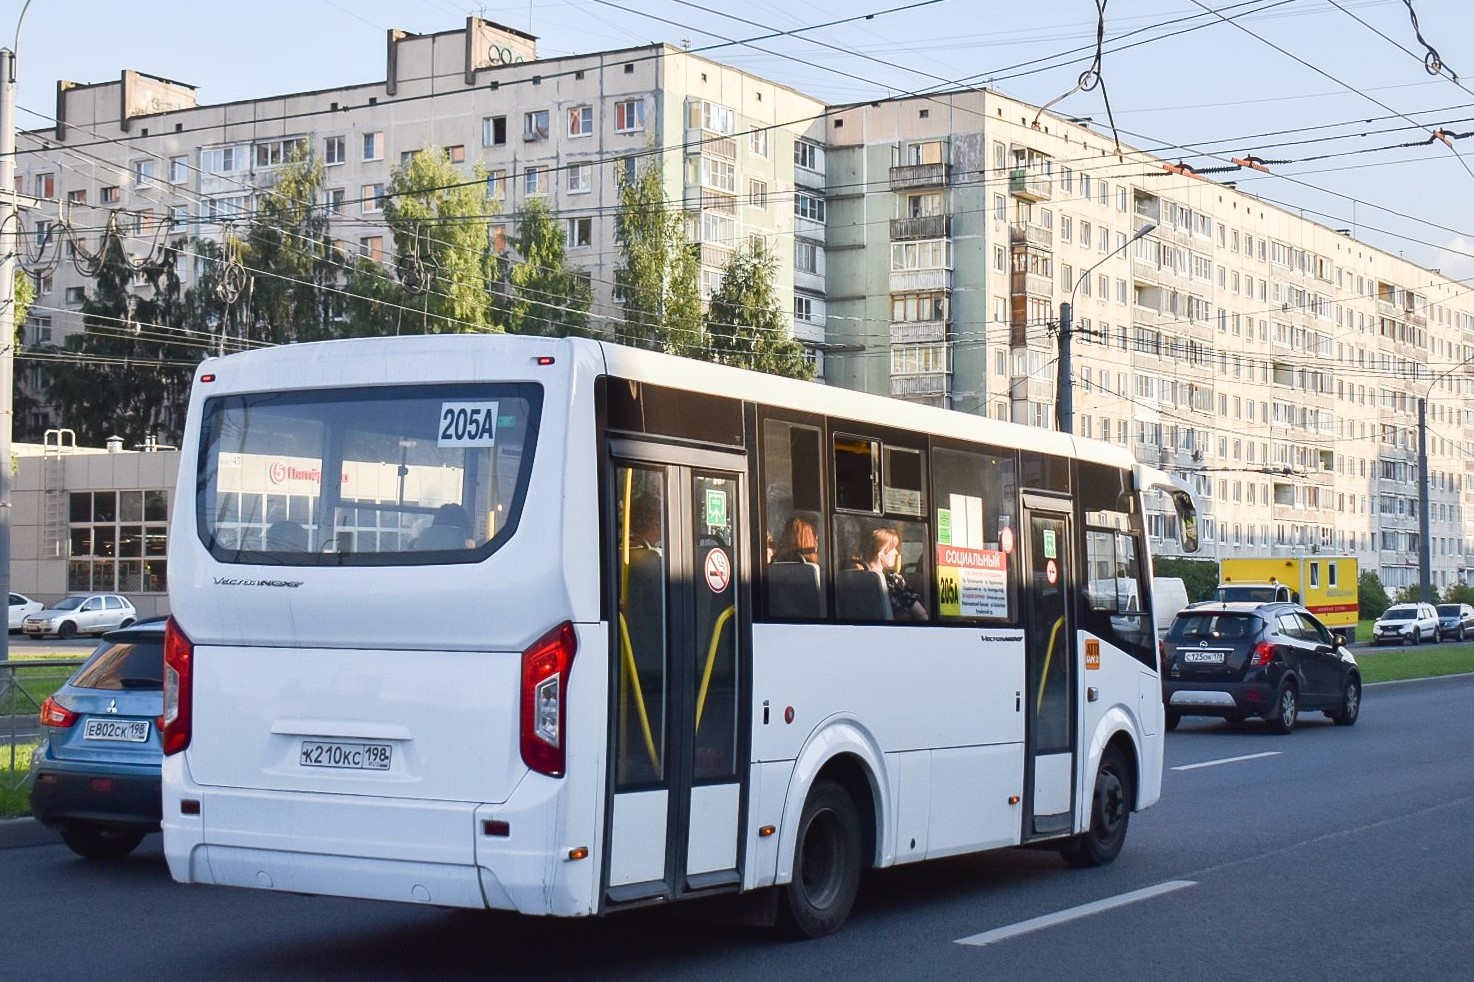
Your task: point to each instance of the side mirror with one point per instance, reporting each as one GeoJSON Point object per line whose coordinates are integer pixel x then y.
{"type": "Point", "coordinates": [1340, 640]}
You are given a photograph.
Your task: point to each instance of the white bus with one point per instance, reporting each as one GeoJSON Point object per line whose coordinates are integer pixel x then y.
{"type": "Point", "coordinates": [563, 627]}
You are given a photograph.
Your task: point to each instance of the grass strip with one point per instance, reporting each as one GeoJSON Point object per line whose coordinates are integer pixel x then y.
{"type": "Point", "coordinates": [1423, 661]}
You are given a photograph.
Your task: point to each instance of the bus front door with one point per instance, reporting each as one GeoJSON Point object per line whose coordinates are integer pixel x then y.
{"type": "Point", "coordinates": [677, 564]}
{"type": "Point", "coordinates": [1050, 653]}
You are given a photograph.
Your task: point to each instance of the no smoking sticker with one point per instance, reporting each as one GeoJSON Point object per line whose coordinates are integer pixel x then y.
{"type": "Point", "coordinates": [718, 570]}
{"type": "Point", "coordinates": [1051, 572]}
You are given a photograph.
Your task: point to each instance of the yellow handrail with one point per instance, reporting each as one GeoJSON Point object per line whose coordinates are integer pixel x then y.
{"type": "Point", "coordinates": [1048, 657]}
{"type": "Point", "coordinates": [633, 674]}
{"type": "Point", "coordinates": [711, 657]}
{"type": "Point", "coordinates": [627, 652]}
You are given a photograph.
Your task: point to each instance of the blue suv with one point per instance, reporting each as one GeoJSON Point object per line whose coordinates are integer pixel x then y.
{"type": "Point", "coordinates": [96, 776]}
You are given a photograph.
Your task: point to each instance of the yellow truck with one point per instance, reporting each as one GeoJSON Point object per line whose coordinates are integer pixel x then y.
{"type": "Point", "coordinates": [1326, 585]}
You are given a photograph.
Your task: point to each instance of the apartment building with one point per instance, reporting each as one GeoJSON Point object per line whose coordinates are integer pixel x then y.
{"type": "Point", "coordinates": [559, 129]}
{"type": "Point", "coordinates": [1276, 364]}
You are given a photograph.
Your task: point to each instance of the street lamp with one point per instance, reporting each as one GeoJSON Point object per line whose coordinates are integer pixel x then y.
{"type": "Point", "coordinates": [1064, 408]}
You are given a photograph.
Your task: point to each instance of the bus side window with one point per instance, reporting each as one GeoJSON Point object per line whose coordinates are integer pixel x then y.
{"type": "Point", "coordinates": [792, 473]}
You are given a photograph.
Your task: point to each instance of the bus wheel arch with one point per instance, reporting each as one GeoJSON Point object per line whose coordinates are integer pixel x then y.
{"type": "Point", "coordinates": [1112, 799]}
{"type": "Point", "coordinates": [845, 753]}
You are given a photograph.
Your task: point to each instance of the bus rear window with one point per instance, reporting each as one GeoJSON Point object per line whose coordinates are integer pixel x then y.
{"type": "Point", "coordinates": [375, 476]}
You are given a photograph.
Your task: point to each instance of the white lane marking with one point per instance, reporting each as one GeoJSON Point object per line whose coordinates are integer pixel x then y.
{"type": "Point", "coordinates": [1226, 760]}
{"type": "Point", "coordinates": [1074, 913]}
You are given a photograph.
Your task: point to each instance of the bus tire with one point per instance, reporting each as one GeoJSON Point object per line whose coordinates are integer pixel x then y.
{"type": "Point", "coordinates": [826, 865]}
{"type": "Point", "coordinates": [1110, 815]}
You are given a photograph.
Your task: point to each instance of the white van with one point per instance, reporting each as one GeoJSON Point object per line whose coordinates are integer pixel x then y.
{"type": "Point", "coordinates": [1169, 595]}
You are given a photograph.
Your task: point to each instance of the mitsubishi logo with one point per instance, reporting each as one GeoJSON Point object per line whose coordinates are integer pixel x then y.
{"type": "Point", "coordinates": [112, 706]}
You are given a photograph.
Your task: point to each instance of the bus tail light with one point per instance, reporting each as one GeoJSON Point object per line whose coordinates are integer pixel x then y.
{"type": "Point", "coordinates": [1263, 655]}
{"type": "Point", "coordinates": [55, 714]}
{"type": "Point", "coordinates": [545, 668]}
{"type": "Point", "coordinates": [178, 688]}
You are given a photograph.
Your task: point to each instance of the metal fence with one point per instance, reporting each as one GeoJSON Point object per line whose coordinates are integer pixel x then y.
{"type": "Point", "coordinates": [24, 685]}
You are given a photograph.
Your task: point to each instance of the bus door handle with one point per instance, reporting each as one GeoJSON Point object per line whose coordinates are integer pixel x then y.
{"type": "Point", "coordinates": [1092, 694]}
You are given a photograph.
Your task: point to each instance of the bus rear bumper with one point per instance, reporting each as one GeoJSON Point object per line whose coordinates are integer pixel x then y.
{"type": "Point", "coordinates": [446, 854]}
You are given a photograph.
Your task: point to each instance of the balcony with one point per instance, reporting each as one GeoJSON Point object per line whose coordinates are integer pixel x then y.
{"type": "Point", "coordinates": [929, 384]}
{"type": "Point", "coordinates": [924, 227]}
{"type": "Point", "coordinates": [1038, 236]}
{"type": "Point", "coordinates": [915, 280]}
{"type": "Point", "coordinates": [1030, 185]}
{"type": "Point", "coordinates": [908, 176]}
{"type": "Point", "coordinates": [1023, 283]}
{"type": "Point", "coordinates": [912, 332]}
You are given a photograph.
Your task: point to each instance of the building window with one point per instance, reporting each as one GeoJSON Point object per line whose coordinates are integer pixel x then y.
{"type": "Point", "coordinates": [580, 233]}
{"type": "Point", "coordinates": [757, 193]}
{"type": "Point", "coordinates": [534, 181]}
{"type": "Point", "coordinates": [496, 185]}
{"type": "Point", "coordinates": [710, 116]}
{"type": "Point", "coordinates": [806, 155]}
{"type": "Point", "coordinates": [77, 197]}
{"type": "Point", "coordinates": [373, 146]}
{"type": "Point", "coordinates": [274, 153]}
{"type": "Point", "coordinates": [535, 125]}
{"type": "Point", "coordinates": [808, 206]}
{"type": "Point", "coordinates": [494, 131]}
{"type": "Point", "coordinates": [372, 196]}
{"type": "Point", "coordinates": [629, 115]}
{"type": "Point", "coordinates": [45, 185]}
{"type": "Point", "coordinates": [581, 121]}
{"type": "Point", "coordinates": [758, 143]}
{"type": "Point", "coordinates": [334, 150]}
{"type": "Point", "coordinates": [112, 195]}
{"type": "Point", "coordinates": [371, 247]}
{"type": "Point", "coordinates": [119, 541]}
{"type": "Point", "coordinates": [457, 154]}
{"type": "Point", "coordinates": [580, 178]}
{"type": "Point", "coordinates": [806, 256]}
{"type": "Point", "coordinates": [222, 160]}
{"type": "Point", "coordinates": [76, 294]}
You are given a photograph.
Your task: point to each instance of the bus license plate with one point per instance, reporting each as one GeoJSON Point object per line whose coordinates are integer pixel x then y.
{"type": "Point", "coordinates": [354, 756]}
{"type": "Point", "coordinates": [117, 730]}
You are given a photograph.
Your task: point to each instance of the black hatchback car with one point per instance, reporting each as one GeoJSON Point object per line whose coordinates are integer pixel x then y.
{"type": "Point", "coordinates": [1272, 660]}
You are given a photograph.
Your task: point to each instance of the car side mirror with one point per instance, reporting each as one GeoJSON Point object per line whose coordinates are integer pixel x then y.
{"type": "Point", "coordinates": [1340, 640]}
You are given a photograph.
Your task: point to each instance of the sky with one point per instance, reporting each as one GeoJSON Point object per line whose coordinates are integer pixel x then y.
{"type": "Point", "coordinates": [1345, 81]}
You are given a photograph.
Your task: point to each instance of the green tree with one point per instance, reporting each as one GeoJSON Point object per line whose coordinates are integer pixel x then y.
{"type": "Point", "coordinates": [548, 297]}
{"type": "Point", "coordinates": [441, 227]}
{"type": "Point", "coordinates": [288, 249]}
{"type": "Point", "coordinates": [1459, 593]}
{"type": "Point", "coordinates": [658, 275]}
{"type": "Point", "coordinates": [127, 372]}
{"type": "Point", "coordinates": [1199, 576]}
{"type": "Point", "coordinates": [1372, 597]}
{"type": "Point", "coordinates": [25, 294]}
{"type": "Point", "coordinates": [746, 323]}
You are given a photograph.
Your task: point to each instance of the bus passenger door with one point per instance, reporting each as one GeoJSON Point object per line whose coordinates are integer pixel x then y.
{"type": "Point", "coordinates": [1049, 576]}
{"type": "Point", "coordinates": [676, 566]}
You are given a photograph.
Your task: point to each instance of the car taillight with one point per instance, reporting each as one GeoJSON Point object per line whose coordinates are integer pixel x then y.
{"type": "Point", "coordinates": [545, 668]}
{"type": "Point", "coordinates": [178, 688]}
{"type": "Point", "coordinates": [1263, 655]}
{"type": "Point", "coordinates": [55, 714]}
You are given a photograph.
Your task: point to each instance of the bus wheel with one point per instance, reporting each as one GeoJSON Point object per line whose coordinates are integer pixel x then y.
{"type": "Point", "coordinates": [826, 866]}
{"type": "Point", "coordinates": [1110, 813]}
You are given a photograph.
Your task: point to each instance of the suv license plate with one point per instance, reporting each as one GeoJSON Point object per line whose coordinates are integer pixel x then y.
{"type": "Point", "coordinates": [354, 756]}
{"type": "Point", "coordinates": [117, 730]}
{"type": "Point", "coordinates": [1203, 657]}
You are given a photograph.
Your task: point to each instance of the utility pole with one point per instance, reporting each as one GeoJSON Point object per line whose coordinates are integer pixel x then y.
{"type": "Point", "coordinates": [9, 245]}
{"type": "Point", "coordinates": [1425, 542]}
{"type": "Point", "coordinates": [1064, 397]}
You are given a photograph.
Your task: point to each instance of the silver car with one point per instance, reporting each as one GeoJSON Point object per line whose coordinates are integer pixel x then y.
{"type": "Point", "coordinates": [81, 613]}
